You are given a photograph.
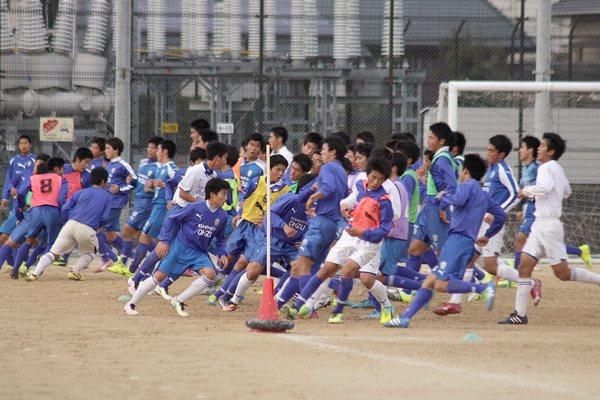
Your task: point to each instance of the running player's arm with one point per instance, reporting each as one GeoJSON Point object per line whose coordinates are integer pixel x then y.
{"type": "Point", "coordinates": [221, 242]}
{"type": "Point", "coordinates": [125, 187]}
{"type": "Point", "coordinates": [499, 218]}
{"type": "Point", "coordinates": [105, 214]}
{"type": "Point", "coordinates": [350, 201]}
{"type": "Point", "coordinates": [252, 184]}
{"type": "Point", "coordinates": [325, 185]}
{"type": "Point", "coordinates": [409, 184]}
{"type": "Point", "coordinates": [22, 190]}
{"type": "Point", "coordinates": [279, 209]}
{"type": "Point", "coordinates": [457, 199]}
{"type": "Point", "coordinates": [508, 181]}
{"type": "Point", "coordinates": [64, 211]}
{"type": "Point", "coordinates": [543, 184]}
{"type": "Point", "coordinates": [62, 195]}
{"type": "Point", "coordinates": [85, 179]}
{"type": "Point", "coordinates": [8, 181]}
{"type": "Point", "coordinates": [173, 223]}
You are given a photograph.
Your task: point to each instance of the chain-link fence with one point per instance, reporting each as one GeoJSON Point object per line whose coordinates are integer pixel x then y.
{"type": "Point", "coordinates": [308, 65]}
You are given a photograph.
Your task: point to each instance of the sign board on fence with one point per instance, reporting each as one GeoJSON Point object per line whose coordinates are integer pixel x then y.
{"type": "Point", "coordinates": [225, 128]}
{"type": "Point", "coordinates": [53, 129]}
{"type": "Point", "coordinates": [170, 127]}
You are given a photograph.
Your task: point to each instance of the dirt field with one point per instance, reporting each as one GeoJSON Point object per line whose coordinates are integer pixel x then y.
{"type": "Point", "coordinates": [71, 340]}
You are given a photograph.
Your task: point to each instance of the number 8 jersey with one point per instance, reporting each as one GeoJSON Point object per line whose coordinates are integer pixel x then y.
{"type": "Point", "coordinates": [47, 190]}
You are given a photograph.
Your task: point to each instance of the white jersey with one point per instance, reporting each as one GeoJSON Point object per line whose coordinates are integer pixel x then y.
{"type": "Point", "coordinates": [551, 187]}
{"type": "Point", "coordinates": [286, 154]}
{"type": "Point", "coordinates": [194, 182]}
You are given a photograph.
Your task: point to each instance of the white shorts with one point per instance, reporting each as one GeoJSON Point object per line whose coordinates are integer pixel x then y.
{"type": "Point", "coordinates": [73, 234]}
{"type": "Point", "coordinates": [547, 239]}
{"type": "Point", "coordinates": [355, 249]}
{"type": "Point", "coordinates": [494, 246]}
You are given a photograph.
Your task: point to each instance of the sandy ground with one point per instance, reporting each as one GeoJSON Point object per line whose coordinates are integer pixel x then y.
{"type": "Point", "coordinates": [71, 340]}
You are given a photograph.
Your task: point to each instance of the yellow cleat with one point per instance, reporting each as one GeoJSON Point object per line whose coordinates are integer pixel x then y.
{"type": "Point", "coordinates": [23, 270]}
{"type": "Point", "coordinates": [30, 278]}
{"type": "Point", "coordinates": [405, 297]}
{"type": "Point", "coordinates": [487, 278]}
{"type": "Point", "coordinates": [336, 318]}
{"type": "Point", "coordinates": [75, 276]}
{"type": "Point", "coordinates": [586, 255]}
{"type": "Point", "coordinates": [387, 313]}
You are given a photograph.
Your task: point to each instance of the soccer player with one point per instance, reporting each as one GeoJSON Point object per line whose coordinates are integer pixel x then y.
{"type": "Point", "coordinates": [142, 204]}
{"type": "Point", "coordinates": [301, 165]}
{"type": "Point", "coordinates": [120, 177]}
{"type": "Point", "coordinates": [76, 173]}
{"type": "Point", "coordinates": [97, 148]}
{"type": "Point", "coordinates": [201, 134]}
{"type": "Point", "coordinates": [311, 143]}
{"type": "Point", "coordinates": [458, 147]}
{"type": "Point", "coordinates": [252, 165]}
{"type": "Point", "coordinates": [277, 139]}
{"type": "Point", "coordinates": [502, 187]}
{"type": "Point", "coordinates": [547, 235]}
{"type": "Point", "coordinates": [432, 225]}
{"type": "Point", "coordinates": [470, 204]}
{"type": "Point", "coordinates": [365, 137]}
{"type": "Point", "coordinates": [288, 224]}
{"type": "Point", "coordinates": [358, 156]}
{"type": "Point", "coordinates": [84, 214]}
{"type": "Point", "coordinates": [331, 187]}
{"type": "Point", "coordinates": [184, 241]}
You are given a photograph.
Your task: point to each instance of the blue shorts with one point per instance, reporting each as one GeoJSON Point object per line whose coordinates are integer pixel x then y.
{"type": "Point", "coordinates": [181, 257]}
{"type": "Point", "coordinates": [454, 258]}
{"type": "Point", "coordinates": [392, 251]}
{"type": "Point", "coordinates": [155, 222]}
{"type": "Point", "coordinates": [138, 219]}
{"type": "Point", "coordinates": [320, 234]}
{"type": "Point", "coordinates": [341, 226]}
{"type": "Point", "coordinates": [9, 224]}
{"type": "Point", "coordinates": [242, 239]}
{"type": "Point", "coordinates": [430, 228]}
{"type": "Point", "coordinates": [19, 234]}
{"type": "Point", "coordinates": [281, 251]}
{"type": "Point", "coordinates": [528, 218]}
{"type": "Point", "coordinates": [114, 220]}
{"type": "Point", "coordinates": [44, 217]}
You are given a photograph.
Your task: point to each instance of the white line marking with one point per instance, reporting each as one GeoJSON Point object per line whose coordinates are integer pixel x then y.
{"type": "Point", "coordinates": [510, 380]}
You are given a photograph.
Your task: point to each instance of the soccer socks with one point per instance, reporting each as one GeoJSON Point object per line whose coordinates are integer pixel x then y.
{"type": "Point", "coordinates": [22, 255]}
{"type": "Point", "coordinates": [241, 289]}
{"type": "Point", "coordinates": [288, 290]}
{"type": "Point", "coordinates": [138, 256]}
{"type": "Point", "coordinates": [575, 251]}
{"type": "Point", "coordinates": [126, 252]}
{"type": "Point", "coordinates": [230, 289]}
{"type": "Point", "coordinates": [308, 289]}
{"type": "Point", "coordinates": [197, 287]}
{"type": "Point", "coordinates": [303, 281]}
{"type": "Point", "coordinates": [456, 286]}
{"type": "Point", "coordinates": [168, 281]}
{"type": "Point", "coordinates": [84, 261]}
{"type": "Point", "coordinates": [346, 285]}
{"type": "Point", "coordinates": [409, 273]}
{"type": "Point", "coordinates": [374, 302]}
{"type": "Point", "coordinates": [43, 263]}
{"type": "Point", "coordinates": [37, 251]}
{"type": "Point", "coordinates": [421, 298]}
{"type": "Point", "coordinates": [477, 274]}
{"type": "Point", "coordinates": [522, 296]}
{"type": "Point", "coordinates": [467, 276]}
{"type": "Point", "coordinates": [282, 280]}
{"type": "Point", "coordinates": [334, 283]}
{"type": "Point", "coordinates": [430, 258]}
{"type": "Point", "coordinates": [379, 292]}
{"type": "Point", "coordinates": [105, 250]}
{"type": "Point", "coordinates": [143, 289]}
{"type": "Point", "coordinates": [118, 243]}
{"type": "Point", "coordinates": [321, 290]}
{"type": "Point", "coordinates": [147, 267]}
{"type": "Point", "coordinates": [414, 263]}
{"type": "Point", "coordinates": [506, 272]}
{"type": "Point", "coordinates": [517, 259]}
{"type": "Point", "coordinates": [584, 275]}
{"type": "Point", "coordinates": [5, 252]}
{"type": "Point", "coordinates": [403, 283]}
{"type": "Point", "coordinates": [230, 278]}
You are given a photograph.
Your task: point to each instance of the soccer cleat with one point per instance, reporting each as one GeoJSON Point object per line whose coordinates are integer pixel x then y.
{"type": "Point", "coordinates": [394, 294]}
{"type": "Point", "coordinates": [373, 315]}
{"type": "Point", "coordinates": [59, 262]}
{"type": "Point", "coordinates": [536, 291]}
{"type": "Point", "coordinates": [23, 270]}
{"type": "Point", "coordinates": [131, 286]}
{"type": "Point", "coordinates": [514, 319]}
{"type": "Point", "coordinates": [336, 318]}
{"type": "Point", "coordinates": [447, 308]}
{"type": "Point", "coordinates": [212, 300]}
{"type": "Point", "coordinates": [288, 312]}
{"type": "Point", "coordinates": [130, 309]}
{"type": "Point", "coordinates": [119, 267]}
{"type": "Point", "coordinates": [474, 297]}
{"type": "Point", "coordinates": [397, 322]}
{"type": "Point", "coordinates": [231, 307]}
{"type": "Point", "coordinates": [304, 312]}
{"type": "Point", "coordinates": [323, 301]}
{"type": "Point", "coordinates": [387, 313]}
{"type": "Point", "coordinates": [75, 276]}
{"type": "Point", "coordinates": [586, 255]}
{"type": "Point", "coordinates": [487, 278]}
{"type": "Point", "coordinates": [505, 283]}
{"type": "Point", "coordinates": [162, 292]}
{"type": "Point", "coordinates": [405, 297]}
{"type": "Point", "coordinates": [224, 302]}
{"type": "Point", "coordinates": [30, 277]}
{"type": "Point", "coordinates": [179, 307]}
{"type": "Point", "coordinates": [490, 294]}
{"type": "Point", "coordinates": [366, 303]}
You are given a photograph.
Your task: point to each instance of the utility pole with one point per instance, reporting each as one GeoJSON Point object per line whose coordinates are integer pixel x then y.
{"type": "Point", "coordinates": [542, 66]}
{"type": "Point", "coordinates": [123, 77]}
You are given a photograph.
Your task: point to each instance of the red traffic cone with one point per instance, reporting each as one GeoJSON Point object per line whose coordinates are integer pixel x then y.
{"type": "Point", "coordinates": [268, 317]}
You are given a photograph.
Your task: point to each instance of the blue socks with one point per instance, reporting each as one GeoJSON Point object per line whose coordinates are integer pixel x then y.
{"type": "Point", "coordinates": [22, 256]}
{"type": "Point", "coordinates": [478, 274]}
{"type": "Point", "coordinates": [374, 302]}
{"type": "Point", "coordinates": [5, 252]}
{"type": "Point", "coordinates": [167, 282]}
{"type": "Point", "coordinates": [37, 251]}
{"type": "Point", "coordinates": [230, 278]}
{"type": "Point", "coordinates": [430, 258]}
{"type": "Point", "coordinates": [403, 283]}
{"type": "Point", "coordinates": [303, 280]}
{"type": "Point", "coordinates": [422, 297]}
{"type": "Point", "coordinates": [281, 282]}
{"type": "Point", "coordinates": [289, 290]}
{"type": "Point", "coordinates": [414, 263]}
{"type": "Point", "coordinates": [126, 250]}
{"type": "Point", "coordinates": [405, 272]}
{"type": "Point", "coordinates": [308, 289]}
{"type": "Point", "coordinates": [458, 286]}
{"type": "Point", "coordinates": [104, 249]}
{"type": "Point", "coordinates": [140, 252]}
{"type": "Point", "coordinates": [345, 289]}
{"type": "Point", "coordinates": [573, 251]}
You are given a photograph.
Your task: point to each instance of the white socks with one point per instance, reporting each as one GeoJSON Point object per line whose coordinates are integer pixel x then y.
{"type": "Point", "coordinates": [378, 290]}
{"type": "Point", "coordinates": [84, 261]}
{"type": "Point", "coordinates": [321, 290]}
{"type": "Point", "coordinates": [583, 275]}
{"type": "Point", "coordinates": [197, 287]}
{"type": "Point", "coordinates": [43, 263]}
{"type": "Point", "coordinates": [522, 297]}
{"type": "Point", "coordinates": [143, 289]}
{"type": "Point", "coordinates": [241, 289]}
{"type": "Point", "coordinates": [506, 272]}
{"type": "Point", "coordinates": [456, 298]}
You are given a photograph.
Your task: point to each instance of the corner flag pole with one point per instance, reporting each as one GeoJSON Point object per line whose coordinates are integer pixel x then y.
{"type": "Point", "coordinates": [268, 227]}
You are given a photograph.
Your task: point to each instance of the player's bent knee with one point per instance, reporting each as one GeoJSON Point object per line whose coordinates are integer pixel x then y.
{"type": "Point", "coordinates": [208, 273]}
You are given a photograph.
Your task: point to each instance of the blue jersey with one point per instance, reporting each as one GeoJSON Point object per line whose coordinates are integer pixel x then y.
{"type": "Point", "coordinates": [172, 183]}
{"type": "Point", "coordinates": [196, 225]}
{"type": "Point", "coordinates": [90, 206]}
{"type": "Point", "coordinates": [118, 171]}
{"type": "Point", "coordinates": [529, 174]}
{"type": "Point", "coordinates": [443, 174]}
{"type": "Point", "coordinates": [471, 204]}
{"type": "Point", "coordinates": [248, 171]}
{"type": "Point", "coordinates": [333, 183]}
{"type": "Point", "coordinates": [146, 171]}
{"type": "Point", "coordinates": [96, 163]}
{"type": "Point", "coordinates": [17, 165]}
{"type": "Point", "coordinates": [289, 210]}
{"type": "Point", "coordinates": [165, 172]}
{"type": "Point", "coordinates": [501, 185]}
